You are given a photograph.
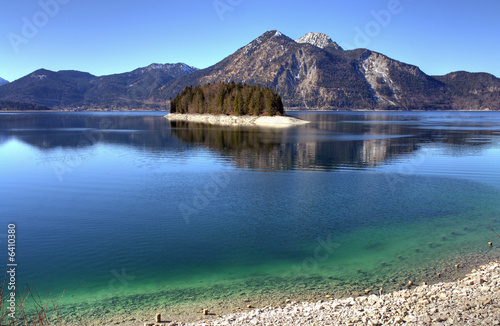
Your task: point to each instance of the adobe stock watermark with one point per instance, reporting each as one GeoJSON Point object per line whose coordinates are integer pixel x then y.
{"type": "Point", "coordinates": [224, 6]}
{"type": "Point", "coordinates": [32, 25]}
{"type": "Point", "coordinates": [323, 250]}
{"type": "Point", "coordinates": [381, 19]}
{"type": "Point", "coordinates": [203, 195]}
{"type": "Point", "coordinates": [119, 278]}
{"type": "Point", "coordinates": [117, 284]}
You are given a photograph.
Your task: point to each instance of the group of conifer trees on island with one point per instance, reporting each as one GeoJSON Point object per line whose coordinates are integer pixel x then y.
{"type": "Point", "coordinates": [228, 98]}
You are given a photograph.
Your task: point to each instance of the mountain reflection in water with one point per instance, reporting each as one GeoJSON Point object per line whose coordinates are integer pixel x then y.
{"type": "Point", "coordinates": [331, 141]}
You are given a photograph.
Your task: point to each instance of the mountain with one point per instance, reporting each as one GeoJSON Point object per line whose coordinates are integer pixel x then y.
{"type": "Point", "coordinates": [75, 89]}
{"type": "Point", "coordinates": [311, 73]}
{"type": "Point", "coordinates": [306, 76]}
{"type": "Point", "coordinates": [303, 74]}
{"type": "Point", "coordinates": [133, 89]}
{"type": "Point", "coordinates": [472, 90]}
{"type": "Point", "coordinates": [53, 89]}
{"type": "Point", "coordinates": [315, 73]}
{"type": "Point", "coordinates": [3, 81]}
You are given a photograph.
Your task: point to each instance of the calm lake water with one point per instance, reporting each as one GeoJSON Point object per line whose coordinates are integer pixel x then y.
{"type": "Point", "coordinates": [129, 212]}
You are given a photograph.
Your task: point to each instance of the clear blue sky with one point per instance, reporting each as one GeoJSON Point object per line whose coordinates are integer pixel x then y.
{"type": "Point", "coordinates": [112, 36]}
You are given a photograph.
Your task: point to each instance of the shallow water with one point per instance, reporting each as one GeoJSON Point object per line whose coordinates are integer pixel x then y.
{"type": "Point", "coordinates": [128, 212]}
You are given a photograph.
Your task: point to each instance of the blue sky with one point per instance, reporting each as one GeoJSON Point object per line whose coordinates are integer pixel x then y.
{"type": "Point", "coordinates": [112, 36]}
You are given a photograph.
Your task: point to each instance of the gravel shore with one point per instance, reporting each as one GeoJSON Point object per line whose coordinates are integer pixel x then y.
{"type": "Point", "coordinates": [473, 300]}
{"type": "Point", "coordinates": [232, 120]}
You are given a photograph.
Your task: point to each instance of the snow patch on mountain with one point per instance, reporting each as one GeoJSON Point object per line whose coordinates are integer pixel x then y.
{"type": "Point", "coordinates": [319, 40]}
{"type": "Point", "coordinates": [156, 66]}
{"type": "Point", "coordinates": [168, 67]}
{"type": "Point", "coordinates": [188, 69]}
{"type": "Point", "coordinates": [39, 77]}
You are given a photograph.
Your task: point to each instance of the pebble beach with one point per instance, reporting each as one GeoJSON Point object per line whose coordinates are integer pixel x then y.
{"type": "Point", "coordinates": [472, 300]}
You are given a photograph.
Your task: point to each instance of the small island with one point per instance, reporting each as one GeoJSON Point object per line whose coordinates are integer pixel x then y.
{"type": "Point", "coordinates": [230, 104]}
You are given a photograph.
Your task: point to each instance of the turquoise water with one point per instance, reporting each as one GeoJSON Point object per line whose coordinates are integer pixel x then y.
{"type": "Point", "coordinates": [127, 212]}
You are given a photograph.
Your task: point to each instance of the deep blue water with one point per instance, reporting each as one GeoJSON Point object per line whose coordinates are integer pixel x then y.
{"type": "Point", "coordinates": [131, 207]}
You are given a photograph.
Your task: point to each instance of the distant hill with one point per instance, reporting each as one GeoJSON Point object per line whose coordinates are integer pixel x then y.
{"type": "Point", "coordinates": [134, 89]}
{"type": "Point", "coordinates": [75, 89]}
{"type": "Point", "coordinates": [45, 87]}
{"type": "Point", "coordinates": [311, 73]}
{"type": "Point", "coordinates": [472, 90]}
{"type": "Point", "coordinates": [3, 81]}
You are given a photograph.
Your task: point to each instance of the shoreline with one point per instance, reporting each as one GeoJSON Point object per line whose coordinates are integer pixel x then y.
{"type": "Point", "coordinates": [232, 120]}
{"type": "Point", "coordinates": [380, 110]}
{"type": "Point", "coordinates": [474, 299]}
{"type": "Point", "coordinates": [291, 110]}
{"type": "Point", "coordinates": [190, 313]}
{"type": "Point", "coordinates": [77, 111]}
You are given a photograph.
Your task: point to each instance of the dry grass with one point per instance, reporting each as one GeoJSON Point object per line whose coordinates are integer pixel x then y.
{"type": "Point", "coordinates": [30, 309]}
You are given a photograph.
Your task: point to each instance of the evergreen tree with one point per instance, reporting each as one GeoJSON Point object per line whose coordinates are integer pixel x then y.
{"type": "Point", "coordinates": [238, 104]}
{"type": "Point", "coordinates": [220, 99]}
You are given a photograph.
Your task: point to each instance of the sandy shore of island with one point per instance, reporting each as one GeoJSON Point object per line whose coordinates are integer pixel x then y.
{"type": "Point", "coordinates": [232, 120]}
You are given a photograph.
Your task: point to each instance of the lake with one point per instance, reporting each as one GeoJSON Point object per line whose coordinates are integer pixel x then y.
{"type": "Point", "coordinates": [130, 214]}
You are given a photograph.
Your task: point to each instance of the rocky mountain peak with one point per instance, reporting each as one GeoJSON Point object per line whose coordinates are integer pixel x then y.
{"type": "Point", "coordinates": [3, 81]}
{"type": "Point", "coordinates": [319, 40]}
{"type": "Point", "coordinates": [171, 67]}
{"type": "Point", "coordinates": [270, 37]}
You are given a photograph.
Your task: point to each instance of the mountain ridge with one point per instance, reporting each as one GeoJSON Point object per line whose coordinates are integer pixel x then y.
{"type": "Point", "coordinates": [3, 81]}
{"type": "Point", "coordinates": [326, 77]}
{"type": "Point", "coordinates": [311, 73]}
{"type": "Point", "coordinates": [74, 89]}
